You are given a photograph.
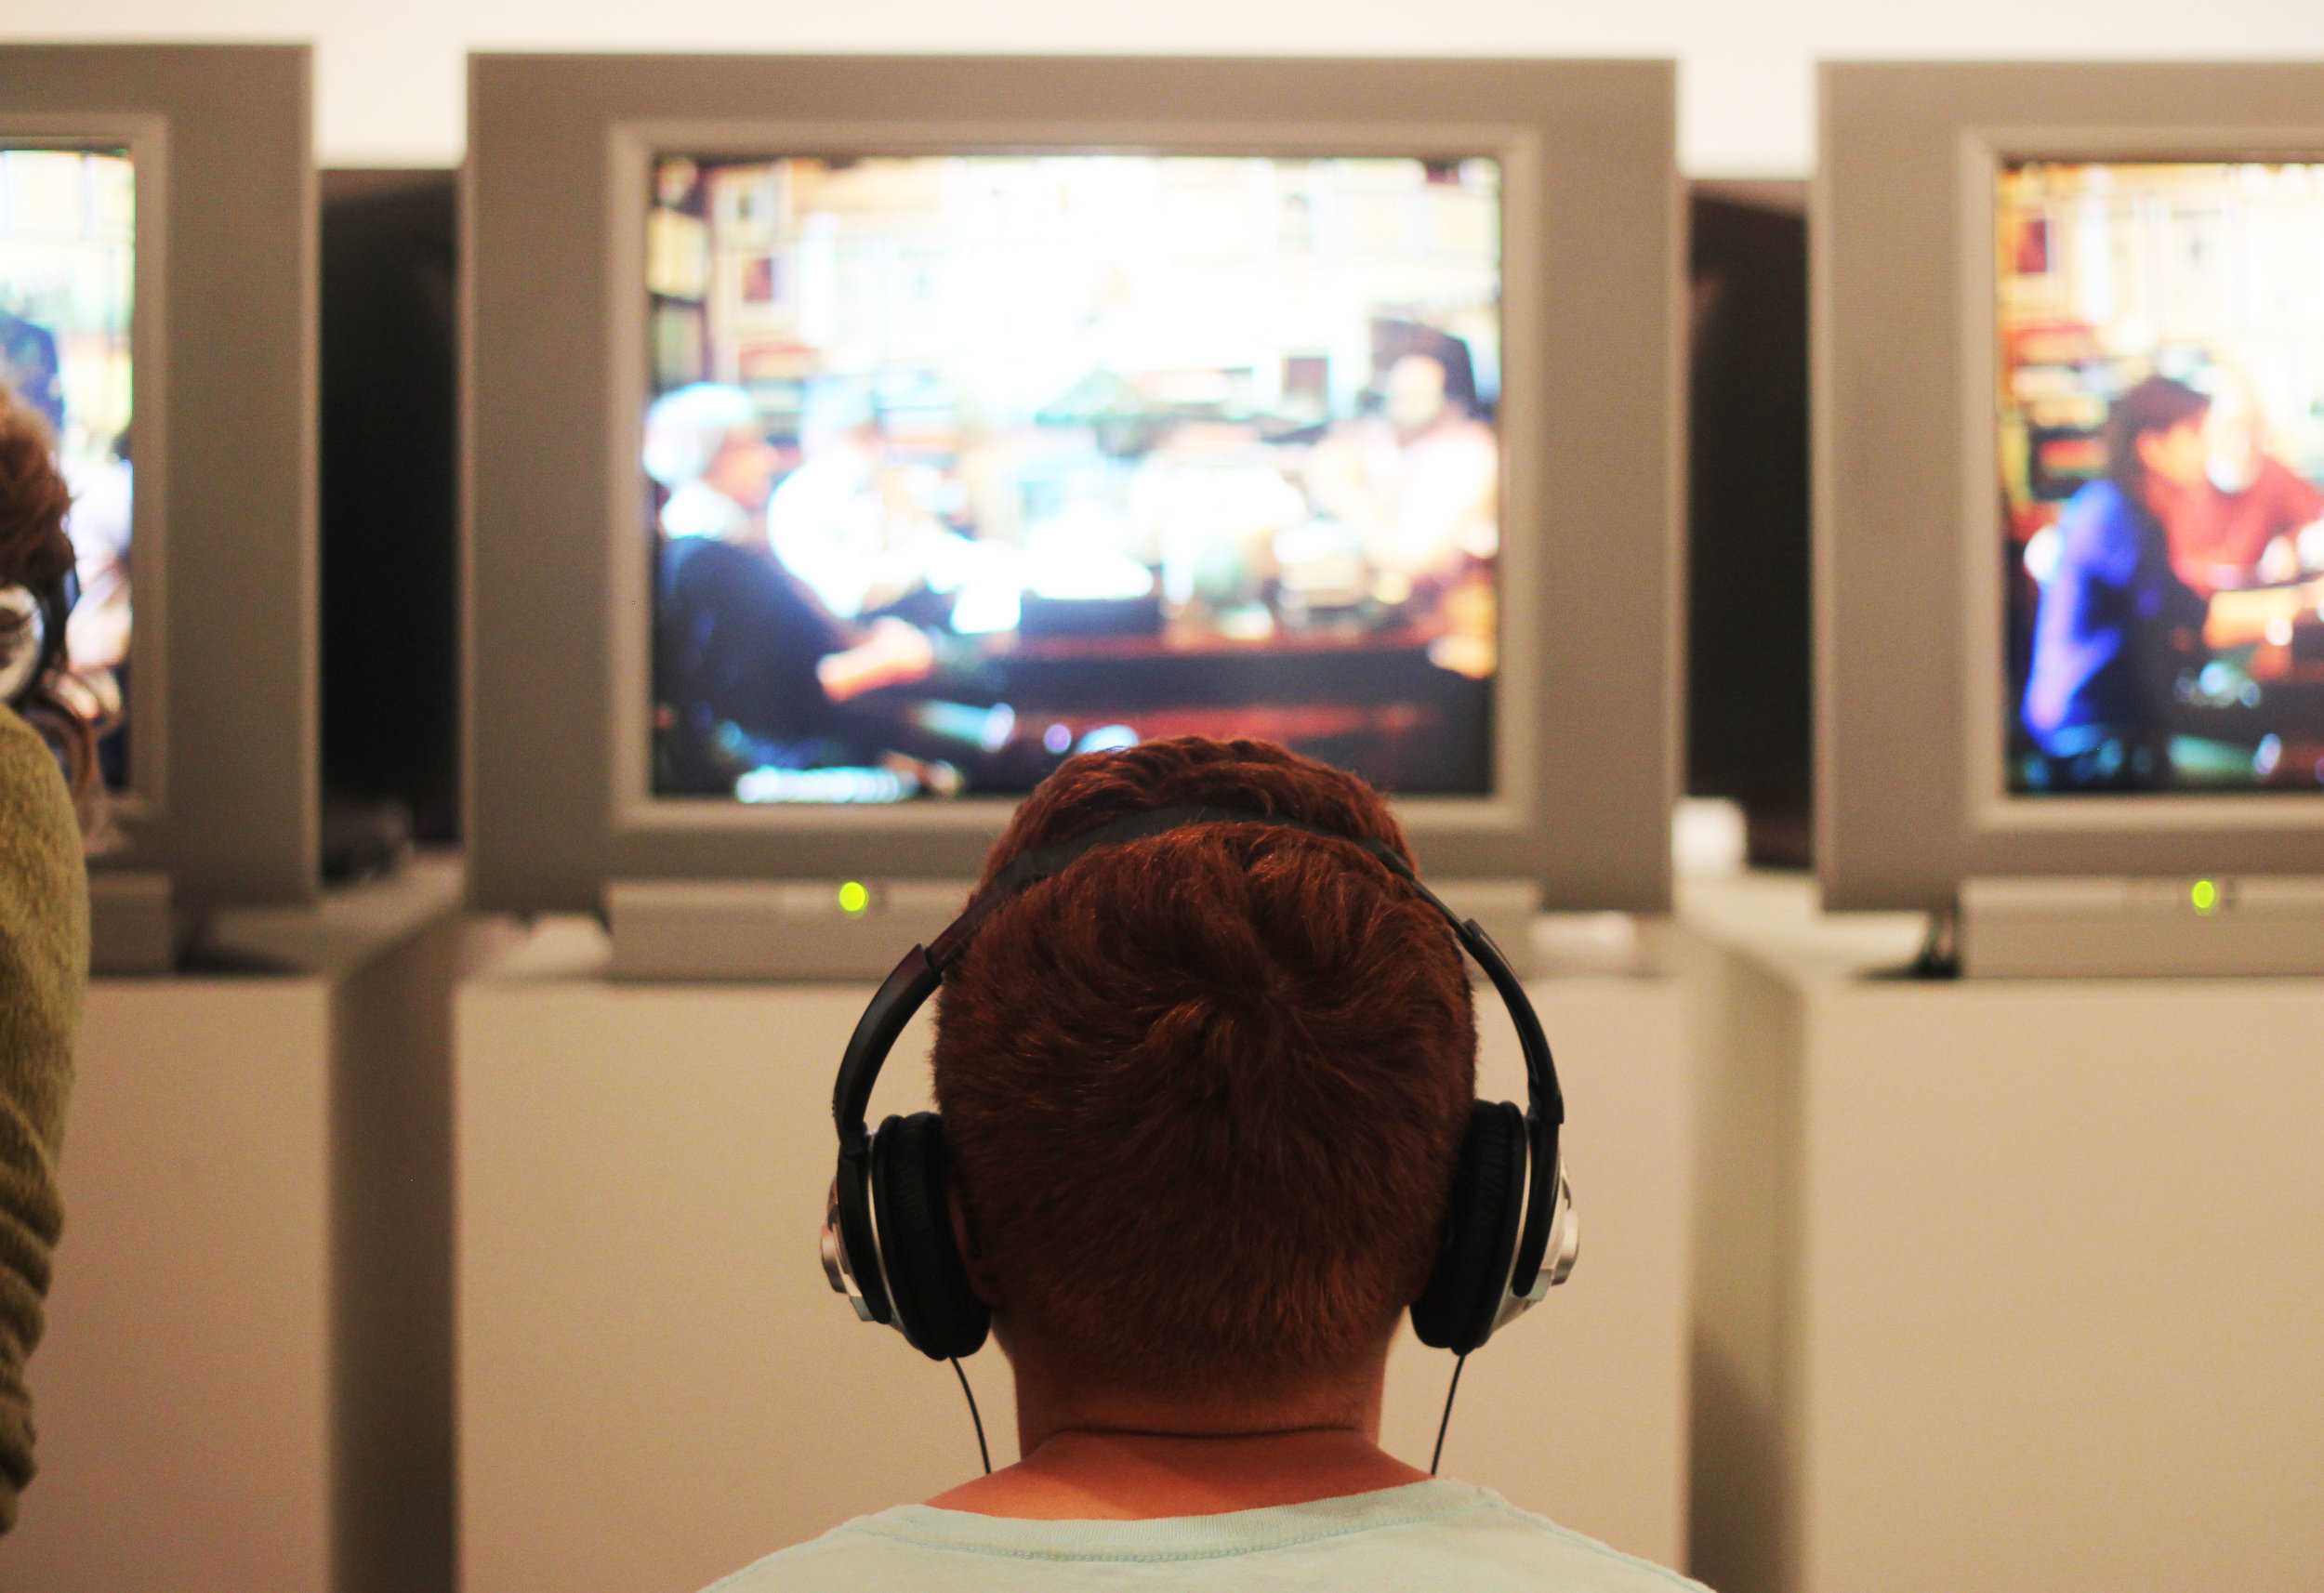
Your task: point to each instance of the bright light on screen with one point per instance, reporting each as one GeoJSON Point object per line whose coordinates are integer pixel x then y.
{"type": "Point", "coordinates": [2161, 402]}
{"type": "Point", "coordinates": [67, 282]}
{"type": "Point", "coordinates": [955, 466]}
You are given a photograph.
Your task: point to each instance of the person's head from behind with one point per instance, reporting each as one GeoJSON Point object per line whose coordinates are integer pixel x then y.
{"type": "Point", "coordinates": [37, 565]}
{"type": "Point", "coordinates": [2154, 438]}
{"type": "Point", "coordinates": [1204, 1093]}
{"type": "Point", "coordinates": [712, 433]}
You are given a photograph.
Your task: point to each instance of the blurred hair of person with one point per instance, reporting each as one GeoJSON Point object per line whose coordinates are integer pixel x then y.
{"type": "Point", "coordinates": [43, 907]}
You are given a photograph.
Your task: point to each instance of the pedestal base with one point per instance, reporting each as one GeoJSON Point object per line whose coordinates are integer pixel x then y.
{"type": "Point", "coordinates": [2001, 1284]}
{"type": "Point", "coordinates": [244, 1381]}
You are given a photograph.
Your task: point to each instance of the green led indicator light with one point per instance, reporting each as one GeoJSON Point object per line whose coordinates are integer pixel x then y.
{"type": "Point", "coordinates": [853, 897]}
{"type": "Point", "coordinates": [2205, 896]}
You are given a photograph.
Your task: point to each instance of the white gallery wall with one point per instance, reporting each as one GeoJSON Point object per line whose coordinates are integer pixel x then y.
{"type": "Point", "coordinates": [389, 73]}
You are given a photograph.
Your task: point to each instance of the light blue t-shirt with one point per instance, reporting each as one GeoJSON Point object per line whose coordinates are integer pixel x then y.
{"type": "Point", "coordinates": [1423, 1536]}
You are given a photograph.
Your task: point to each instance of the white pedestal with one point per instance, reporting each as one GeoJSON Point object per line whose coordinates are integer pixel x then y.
{"type": "Point", "coordinates": [658, 1386]}
{"type": "Point", "coordinates": [2003, 1285]}
{"type": "Point", "coordinates": [245, 1382]}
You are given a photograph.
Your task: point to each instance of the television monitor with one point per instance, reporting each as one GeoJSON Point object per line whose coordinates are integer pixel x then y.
{"type": "Point", "coordinates": [158, 306]}
{"type": "Point", "coordinates": [852, 439]}
{"type": "Point", "coordinates": [2069, 360]}
{"type": "Point", "coordinates": [389, 526]}
{"type": "Point", "coordinates": [1748, 733]}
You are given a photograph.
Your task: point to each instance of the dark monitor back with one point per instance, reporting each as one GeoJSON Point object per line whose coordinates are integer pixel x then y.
{"type": "Point", "coordinates": [389, 523]}
{"type": "Point", "coordinates": [1747, 733]}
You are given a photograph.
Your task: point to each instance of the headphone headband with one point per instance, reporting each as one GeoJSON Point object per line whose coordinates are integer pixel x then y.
{"type": "Point", "coordinates": [917, 977]}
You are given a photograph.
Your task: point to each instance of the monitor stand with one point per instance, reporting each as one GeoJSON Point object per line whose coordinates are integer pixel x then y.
{"type": "Point", "coordinates": [135, 925]}
{"type": "Point", "coordinates": [678, 930]}
{"type": "Point", "coordinates": [2133, 927]}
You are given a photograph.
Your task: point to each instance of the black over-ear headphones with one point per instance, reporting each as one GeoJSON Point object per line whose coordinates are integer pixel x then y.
{"type": "Point", "coordinates": [887, 1237]}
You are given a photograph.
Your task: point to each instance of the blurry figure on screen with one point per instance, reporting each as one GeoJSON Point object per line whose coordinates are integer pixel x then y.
{"type": "Point", "coordinates": [706, 445]}
{"type": "Point", "coordinates": [29, 368]}
{"type": "Point", "coordinates": [98, 636]}
{"type": "Point", "coordinates": [2118, 629]}
{"type": "Point", "coordinates": [2095, 688]}
{"type": "Point", "coordinates": [1420, 483]}
{"type": "Point", "coordinates": [2242, 524]}
{"type": "Point", "coordinates": [857, 527]}
{"type": "Point", "coordinates": [751, 670]}
{"type": "Point", "coordinates": [1207, 507]}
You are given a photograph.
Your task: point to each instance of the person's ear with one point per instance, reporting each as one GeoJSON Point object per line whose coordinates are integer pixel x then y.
{"type": "Point", "coordinates": [964, 1242]}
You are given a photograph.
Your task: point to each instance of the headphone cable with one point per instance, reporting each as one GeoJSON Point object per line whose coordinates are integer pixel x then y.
{"type": "Point", "coordinates": [985, 1454]}
{"type": "Point", "coordinates": [1441, 1426]}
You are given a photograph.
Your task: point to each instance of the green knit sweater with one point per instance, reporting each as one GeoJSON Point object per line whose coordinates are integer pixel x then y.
{"type": "Point", "coordinates": [44, 964]}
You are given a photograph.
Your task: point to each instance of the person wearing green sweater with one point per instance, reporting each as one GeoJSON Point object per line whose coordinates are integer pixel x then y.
{"type": "Point", "coordinates": [43, 907]}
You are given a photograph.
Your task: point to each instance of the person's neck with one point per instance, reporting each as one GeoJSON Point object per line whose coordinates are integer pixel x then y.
{"type": "Point", "coordinates": [1129, 1459]}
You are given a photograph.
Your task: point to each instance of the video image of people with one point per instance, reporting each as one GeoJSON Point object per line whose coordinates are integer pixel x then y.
{"type": "Point", "coordinates": [67, 279]}
{"type": "Point", "coordinates": [2161, 406]}
{"type": "Point", "coordinates": [956, 466]}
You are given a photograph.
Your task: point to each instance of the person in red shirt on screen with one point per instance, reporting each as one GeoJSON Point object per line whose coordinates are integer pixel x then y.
{"type": "Point", "coordinates": [2240, 525]}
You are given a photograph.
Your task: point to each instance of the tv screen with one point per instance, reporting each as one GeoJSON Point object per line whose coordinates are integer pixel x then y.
{"type": "Point", "coordinates": [68, 277]}
{"type": "Point", "coordinates": [955, 464]}
{"type": "Point", "coordinates": [2160, 364]}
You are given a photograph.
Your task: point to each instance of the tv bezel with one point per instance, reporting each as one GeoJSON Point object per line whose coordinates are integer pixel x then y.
{"type": "Point", "coordinates": [222, 794]}
{"type": "Point", "coordinates": [555, 190]}
{"type": "Point", "coordinates": [1912, 782]}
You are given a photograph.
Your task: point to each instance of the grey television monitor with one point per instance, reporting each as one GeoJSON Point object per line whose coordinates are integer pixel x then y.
{"type": "Point", "coordinates": [2064, 316]}
{"type": "Point", "coordinates": [639, 227]}
{"type": "Point", "coordinates": [157, 282]}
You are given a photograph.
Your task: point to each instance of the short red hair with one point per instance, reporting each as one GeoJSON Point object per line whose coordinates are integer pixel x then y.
{"type": "Point", "coordinates": [37, 554]}
{"type": "Point", "coordinates": [1203, 1091]}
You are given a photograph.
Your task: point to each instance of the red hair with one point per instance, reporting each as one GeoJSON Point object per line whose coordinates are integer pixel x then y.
{"type": "Point", "coordinates": [35, 554]}
{"type": "Point", "coordinates": [1204, 1092]}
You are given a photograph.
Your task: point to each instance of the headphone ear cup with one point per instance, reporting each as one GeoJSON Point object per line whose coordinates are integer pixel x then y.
{"type": "Point", "coordinates": [1456, 1310]}
{"type": "Point", "coordinates": [926, 1281]}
